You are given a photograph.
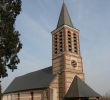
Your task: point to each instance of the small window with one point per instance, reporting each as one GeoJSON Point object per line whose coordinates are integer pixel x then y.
{"type": "Point", "coordinates": [75, 47]}
{"type": "Point", "coordinates": [74, 37]}
{"type": "Point", "coordinates": [74, 34]}
{"type": "Point", "coordinates": [55, 48]}
{"type": "Point", "coordinates": [75, 44]}
{"type": "Point", "coordinates": [56, 35]}
{"type": "Point", "coordinates": [56, 42]}
{"type": "Point", "coordinates": [60, 35]}
{"type": "Point", "coordinates": [70, 50]}
{"type": "Point", "coordinates": [75, 40]}
{"type": "Point", "coordinates": [75, 51]}
{"type": "Point", "coordinates": [55, 52]}
{"type": "Point", "coordinates": [69, 45]}
{"type": "Point", "coordinates": [61, 39]}
{"type": "Point", "coordinates": [69, 38]}
{"type": "Point", "coordinates": [55, 45]}
{"type": "Point", "coordinates": [61, 50]}
{"type": "Point", "coordinates": [60, 46]}
{"type": "Point", "coordinates": [69, 32]}
{"type": "Point", "coordinates": [69, 42]}
{"type": "Point", "coordinates": [55, 38]}
{"type": "Point", "coordinates": [61, 42]}
{"type": "Point", "coordinates": [69, 35]}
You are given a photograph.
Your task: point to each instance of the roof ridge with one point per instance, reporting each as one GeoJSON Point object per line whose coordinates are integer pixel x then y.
{"type": "Point", "coordinates": [33, 71]}
{"type": "Point", "coordinates": [77, 84]}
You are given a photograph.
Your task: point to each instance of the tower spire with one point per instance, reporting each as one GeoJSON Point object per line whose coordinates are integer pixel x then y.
{"type": "Point", "coordinates": [66, 58]}
{"type": "Point", "coordinates": [63, 1]}
{"type": "Point", "coordinates": [64, 18]}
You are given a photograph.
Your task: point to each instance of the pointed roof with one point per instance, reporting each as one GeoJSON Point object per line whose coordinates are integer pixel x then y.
{"type": "Point", "coordinates": [79, 88]}
{"type": "Point", "coordinates": [64, 18]}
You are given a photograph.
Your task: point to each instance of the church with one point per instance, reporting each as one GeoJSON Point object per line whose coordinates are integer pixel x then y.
{"type": "Point", "coordinates": [65, 79]}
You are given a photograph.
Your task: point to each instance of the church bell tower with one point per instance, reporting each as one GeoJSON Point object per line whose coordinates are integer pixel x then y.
{"type": "Point", "coordinates": [66, 57]}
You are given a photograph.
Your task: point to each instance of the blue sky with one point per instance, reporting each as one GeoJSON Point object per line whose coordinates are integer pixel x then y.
{"type": "Point", "coordinates": [39, 17]}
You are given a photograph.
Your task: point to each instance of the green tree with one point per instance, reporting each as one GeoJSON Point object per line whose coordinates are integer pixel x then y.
{"type": "Point", "coordinates": [10, 44]}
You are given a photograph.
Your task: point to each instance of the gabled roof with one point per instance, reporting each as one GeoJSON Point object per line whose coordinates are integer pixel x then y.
{"type": "Point", "coordinates": [34, 80]}
{"type": "Point", "coordinates": [64, 18]}
{"type": "Point", "coordinates": [79, 88]}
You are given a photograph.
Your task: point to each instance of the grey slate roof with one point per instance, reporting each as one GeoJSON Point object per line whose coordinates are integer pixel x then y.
{"type": "Point", "coordinates": [34, 80]}
{"type": "Point", "coordinates": [79, 88]}
{"type": "Point", "coordinates": [64, 18]}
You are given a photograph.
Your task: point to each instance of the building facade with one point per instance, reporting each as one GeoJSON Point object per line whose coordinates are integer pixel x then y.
{"type": "Point", "coordinates": [64, 80]}
{"type": "Point", "coordinates": [66, 58]}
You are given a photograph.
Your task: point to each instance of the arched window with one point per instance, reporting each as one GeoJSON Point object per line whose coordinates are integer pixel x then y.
{"type": "Point", "coordinates": [55, 43]}
{"type": "Point", "coordinates": [69, 42]}
{"type": "Point", "coordinates": [75, 43]}
{"type": "Point", "coordinates": [60, 42]}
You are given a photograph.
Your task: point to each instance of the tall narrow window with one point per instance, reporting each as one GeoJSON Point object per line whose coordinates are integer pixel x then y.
{"type": "Point", "coordinates": [75, 43]}
{"type": "Point", "coordinates": [60, 42]}
{"type": "Point", "coordinates": [55, 44]}
{"type": "Point", "coordinates": [69, 42]}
